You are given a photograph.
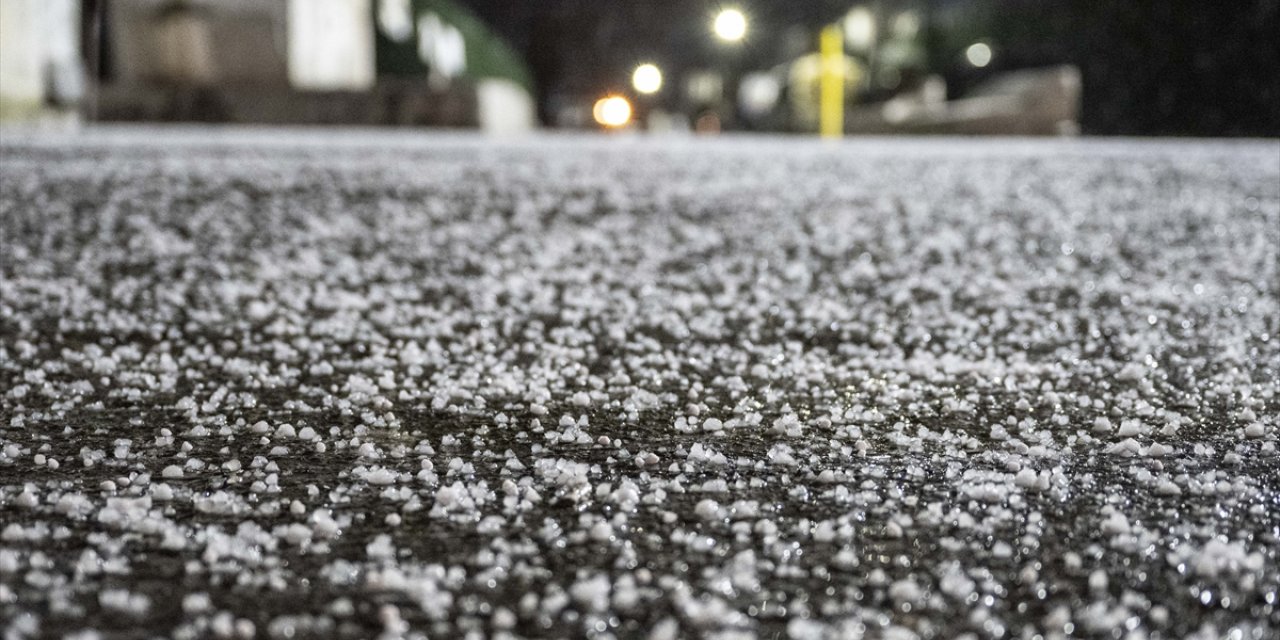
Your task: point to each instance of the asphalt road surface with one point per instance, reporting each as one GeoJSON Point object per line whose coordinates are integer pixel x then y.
{"type": "Point", "coordinates": [361, 384]}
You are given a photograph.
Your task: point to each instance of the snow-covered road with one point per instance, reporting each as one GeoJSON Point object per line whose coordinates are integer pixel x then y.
{"type": "Point", "coordinates": [313, 384]}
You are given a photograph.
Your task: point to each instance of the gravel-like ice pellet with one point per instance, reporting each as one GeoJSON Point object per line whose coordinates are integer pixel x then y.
{"type": "Point", "coordinates": [258, 383]}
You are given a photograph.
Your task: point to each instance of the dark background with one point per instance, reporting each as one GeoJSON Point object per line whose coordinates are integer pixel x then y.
{"type": "Point", "coordinates": [1150, 67]}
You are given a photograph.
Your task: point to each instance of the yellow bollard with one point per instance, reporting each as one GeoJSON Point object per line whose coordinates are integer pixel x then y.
{"type": "Point", "coordinates": [831, 83]}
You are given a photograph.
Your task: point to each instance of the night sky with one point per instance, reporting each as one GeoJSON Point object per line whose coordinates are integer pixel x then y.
{"type": "Point", "coordinates": [1175, 67]}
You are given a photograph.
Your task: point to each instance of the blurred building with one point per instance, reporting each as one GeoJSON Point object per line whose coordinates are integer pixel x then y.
{"type": "Point", "coordinates": [1029, 102]}
{"type": "Point", "coordinates": [41, 74]}
{"type": "Point", "coordinates": [372, 62]}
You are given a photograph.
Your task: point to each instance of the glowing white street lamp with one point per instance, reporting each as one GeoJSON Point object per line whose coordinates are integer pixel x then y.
{"type": "Point", "coordinates": [647, 78]}
{"type": "Point", "coordinates": [860, 28]}
{"type": "Point", "coordinates": [730, 25]}
{"type": "Point", "coordinates": [978, 54]}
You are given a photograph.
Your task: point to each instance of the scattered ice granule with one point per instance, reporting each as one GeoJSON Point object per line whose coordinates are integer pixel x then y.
{"type": "Point", "coordinates": [323, 525]}
{"type": "Point", "coordinates": [745, 509]}
{"type": "Point", "coordinates": [9, 561]}
{"type": "Point", "coordinates": [955, 583]}
{"type": "Point", "coordinates": [295, 534]}
{"type": "Point", "coordinates": [601, 531]}
{"type": "Point", "coordinates": [381, 548]}
{"type": "Point", "coordinates": [1131, 372]}
{"type": "Point", "coordinates": [1025, 478]}
{"type": "Point", "coordinates": [123, 511]}
{"type": "Point", "coordinates": [219, 502]}
{"type": "Point", "coordinates": [789, 425]}
{"type": "Point", "coordinates": [699, 454]}
{"type": "Point", "coordinates": [893, 530]}
{"type": "Point", "coordinates": [172, 471]}
{"type": "Point", "coordinates": [666, 629]}
{"type": "Point", "coordinates": [28, 498]}
{"type": "Point", "coordinates": [1029, 575]}
{"type": "Point", "coordinates": [1159, 615]}
{"type": "Point", "coordinates": [1129, 428]}
{"type": "Point", "coordinates": [708, 510]}
{"type": "Point", "coordinates": [825, 531]}
{"type": "Point", "coordinates": [1126, 447]}
{"type": "Point", "coordinates": [806, 629]}
{"type": "Point", "coordinates": [359, 384]}
{"type": "Point", "coordinates": [780, 454]}
{"type": "Point", "coordinates": [1058, 618]}
{"type": "Point", "coordinates": [450, 496]}
{"type": "Point", "coordinates": [392, 624]}
{"type": "Point", "coordinates": [122, 601]}
{"type": "Point", "coordinates": [554, 602]}
{"type": "Point", "coordinates": [196, 603]}
{"type": "Point", "coordinates": [592, 593]}
{"type": "Point", "coordinates": [1101, 425]}
{"type": "Point", "coordinates": [1115, 524]}
{"type": "Point", "coordinates": [712, 425]}
{"type": "Point", "coordinates": [906, 592]}
{"type": "Point", "coordinates": [1255, 430]}
{"type": "Point", "coordinates": [1218, 558]}
{"type": "Point", "coordinates": [381, 476]}
{"type": "Point", "coordinates": [581, 399]}
{"type": "Point", "coordinates": [1098, 580]}
{"type": "Point", "coordinates": [76, 505]}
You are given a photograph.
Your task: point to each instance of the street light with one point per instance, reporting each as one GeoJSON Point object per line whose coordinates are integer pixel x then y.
{"type": "Point", "coordinates": [978, 54]}
{"type": "Point", "coordinates": [647, 78]}
{"type": "Point", "coordinates": [730, 25]}
{"type": "Point", "coordinates": [860, 28]}
{"type": "Point", "coordinates": [612, 111]}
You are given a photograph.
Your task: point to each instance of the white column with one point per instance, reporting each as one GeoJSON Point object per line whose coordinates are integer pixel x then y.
{"type": "Point", "coordinates": [22, 55]}
{"type": "Point", "coordinates": [331, 44]}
